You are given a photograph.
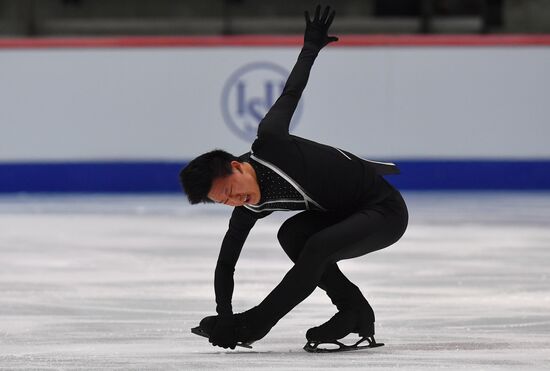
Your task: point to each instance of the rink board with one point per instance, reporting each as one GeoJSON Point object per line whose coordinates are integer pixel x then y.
{"type": "Point", "coordinates": [123, 114]}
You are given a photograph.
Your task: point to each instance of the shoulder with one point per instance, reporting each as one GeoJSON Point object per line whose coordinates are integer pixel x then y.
{"type": "Point", "coordinates": [270, 142]}
{"type": "Point", "coordinates": [244, 157]}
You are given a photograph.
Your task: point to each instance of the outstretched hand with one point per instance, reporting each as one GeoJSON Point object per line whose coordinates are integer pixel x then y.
{"type": "Point", "coordinates": [317, 28]}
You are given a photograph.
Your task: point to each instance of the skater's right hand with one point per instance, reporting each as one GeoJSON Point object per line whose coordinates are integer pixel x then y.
{"type": "Point", "coordinates": [317, 28]}
{"type": "Point", "coordinates": [223, 334]}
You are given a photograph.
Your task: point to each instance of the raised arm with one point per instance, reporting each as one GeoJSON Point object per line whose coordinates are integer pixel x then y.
{"type": "Point", "coordinates": [277, 119]}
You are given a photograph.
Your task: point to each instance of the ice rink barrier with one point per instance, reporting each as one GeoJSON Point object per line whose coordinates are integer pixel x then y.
{"type": "Point", "coordinates": [124, 114]}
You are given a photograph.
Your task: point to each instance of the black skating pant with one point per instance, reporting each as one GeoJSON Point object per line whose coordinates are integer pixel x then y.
{"type": "Point", "coordinates": [315, 241]}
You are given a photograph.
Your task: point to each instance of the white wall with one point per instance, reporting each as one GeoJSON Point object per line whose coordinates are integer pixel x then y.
{"type": "Point", "coordinates": [393, 102]}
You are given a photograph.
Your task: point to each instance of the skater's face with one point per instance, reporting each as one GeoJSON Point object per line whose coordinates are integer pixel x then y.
{"type": "Point", "coordinates": [237, 189]}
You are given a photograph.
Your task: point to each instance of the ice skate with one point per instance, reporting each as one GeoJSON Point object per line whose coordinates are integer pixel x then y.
{"type": "Point", "coordinates": [328, 347]}
{"type": "Point", "coordinates": [206, 326]}
{"type": "Point", "coordinates": [339, 326]}
{"type": "Point", "coordinates": [247, 327]}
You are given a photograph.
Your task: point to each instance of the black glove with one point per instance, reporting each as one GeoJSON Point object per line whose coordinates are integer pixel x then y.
{"type": "Point", "coordinates": [317, 29]}
{"type": "Point", "coordinates": [223, 334]}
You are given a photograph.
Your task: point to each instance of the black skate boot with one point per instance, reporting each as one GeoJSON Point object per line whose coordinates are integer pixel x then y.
{"type": "Point", "coordinates": [346, 321]}
{"type": "Point", "coordinates": [207, 324]}
{"type": "Point", "coordinates": [365, 321]}
{"type": "Point", "coordinates": [339, 326]}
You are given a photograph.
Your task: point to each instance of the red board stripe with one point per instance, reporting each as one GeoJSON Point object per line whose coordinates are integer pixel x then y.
{"type": "Point", "coordinates": [274, 41]}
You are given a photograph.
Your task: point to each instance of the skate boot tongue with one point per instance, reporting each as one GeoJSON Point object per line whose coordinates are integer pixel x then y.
{"type": "Point", "coordinates": [339, 326]}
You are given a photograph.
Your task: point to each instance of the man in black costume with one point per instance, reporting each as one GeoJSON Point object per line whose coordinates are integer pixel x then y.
{"type": "Point", "coordinates": [349, 210]}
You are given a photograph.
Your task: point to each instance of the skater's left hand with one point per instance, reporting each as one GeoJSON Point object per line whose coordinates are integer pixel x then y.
{"type": "Point", "coordinates": [317, 28]}
{"type": "Point", "coordinates": [223, 334]}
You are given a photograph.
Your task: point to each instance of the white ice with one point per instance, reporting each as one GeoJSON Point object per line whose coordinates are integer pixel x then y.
{"type": "Point", "coordinates": [116, 283]}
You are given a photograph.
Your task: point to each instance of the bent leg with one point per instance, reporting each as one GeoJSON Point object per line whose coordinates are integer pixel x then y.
{"type": "Point", "coordinates": [293, 235]}
{"type": "Point", "coordinates": [360, 233]}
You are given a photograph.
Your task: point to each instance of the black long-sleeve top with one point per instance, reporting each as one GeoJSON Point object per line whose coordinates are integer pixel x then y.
{"type": "Point", "coordinates": [295, 174]}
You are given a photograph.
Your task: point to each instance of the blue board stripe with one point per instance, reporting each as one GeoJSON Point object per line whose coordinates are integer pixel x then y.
{"type": "Point", "coordinates": [150, 176]}
{"type": "Point", "coordinates": [90, 177]}
{"type": "Point", "coordinates": [473, 175]}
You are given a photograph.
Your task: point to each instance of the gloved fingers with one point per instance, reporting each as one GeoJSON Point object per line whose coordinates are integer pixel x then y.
{"type": "Point", "coordinates": [332, 38]}
{"type": "Point", "coordinates": [325, 15]}
{"type": "Point", "coordinates": [223, 334]}
{"type": "Point", "coordinates": [317, 13]}
{"type": "Point", "coordinates": [306, 15]}
{"type": "Point", "coordinates": [224, 346]}
{"type": "Point", "coordinates": [330, 19]}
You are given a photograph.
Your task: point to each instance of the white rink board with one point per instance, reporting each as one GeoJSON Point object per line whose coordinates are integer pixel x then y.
{"type": "Point", "coordinates": [116, 283]}
{"type": "Point", "coordinates": [165, 103]}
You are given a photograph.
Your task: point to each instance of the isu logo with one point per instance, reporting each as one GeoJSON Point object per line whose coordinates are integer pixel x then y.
{"type": "Point", "coordinates": [249, 93]}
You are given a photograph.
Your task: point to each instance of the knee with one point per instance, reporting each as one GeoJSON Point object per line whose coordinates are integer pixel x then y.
{"type": "Point", "coordinates": [284, 235]}
{"type": "Point", "coordinates": [316, 252]}
{"type": "Point", "coordinates": [288, 241]}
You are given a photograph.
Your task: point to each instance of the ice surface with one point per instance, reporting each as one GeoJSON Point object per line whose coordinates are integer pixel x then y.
{"type": "Point", "coordinates": [116, 283]}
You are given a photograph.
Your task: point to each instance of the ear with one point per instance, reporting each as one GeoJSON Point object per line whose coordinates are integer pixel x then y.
{"type": "Point", "coordinates": [236, 165]}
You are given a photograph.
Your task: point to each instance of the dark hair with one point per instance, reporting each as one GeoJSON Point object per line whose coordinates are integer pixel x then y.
{"type": "Point", "coordinates": [197, 177]}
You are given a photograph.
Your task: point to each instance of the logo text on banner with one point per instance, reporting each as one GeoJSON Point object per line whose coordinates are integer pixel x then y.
{"type": "Point", "coordinates": [249, 93]}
